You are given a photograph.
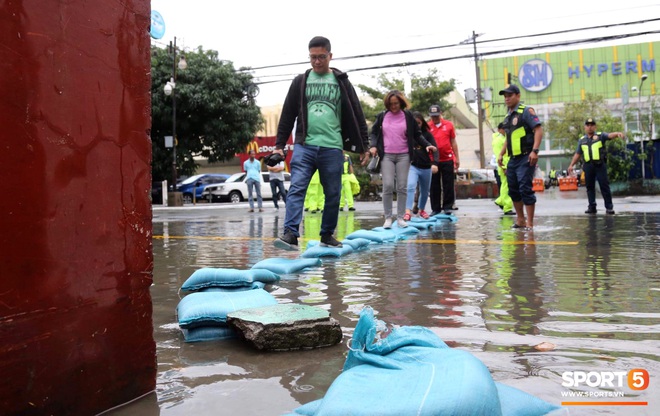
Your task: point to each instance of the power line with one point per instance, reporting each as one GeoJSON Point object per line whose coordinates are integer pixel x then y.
{"type": "Point", "coordinates": [431, 48]}
{"type": "Point", "coordinates": [498, 52]}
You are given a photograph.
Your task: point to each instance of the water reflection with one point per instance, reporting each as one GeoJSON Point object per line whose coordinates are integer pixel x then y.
{"type": "Point", "coordinates": [589, 284]}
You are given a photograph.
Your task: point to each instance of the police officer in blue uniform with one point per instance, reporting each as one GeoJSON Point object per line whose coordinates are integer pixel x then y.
{"type": "Point", "coordinates": [523, 138]}
{"type": "Point", "coordinates": [592, 148]}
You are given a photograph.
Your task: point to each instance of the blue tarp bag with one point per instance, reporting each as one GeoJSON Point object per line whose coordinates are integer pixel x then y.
{"type": "Point", "coordinates": [413, 372]}
{"type": "Point", "coordinates": [200, 309]}
{"type": "Point", "coordinates": [287, 266]}
{"type": "Point", "coordinates": [217, 277]}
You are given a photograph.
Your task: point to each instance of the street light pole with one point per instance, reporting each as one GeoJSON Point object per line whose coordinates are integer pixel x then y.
{"type": "Point", "coordinates": [482, 156]}
{"type": "Point", "coordinates": [639, 123]}
{"type": "Point", "coordinates": [170, 89]}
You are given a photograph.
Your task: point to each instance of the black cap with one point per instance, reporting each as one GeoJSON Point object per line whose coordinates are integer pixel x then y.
{"type": "Point", "coordinates": [590, 121]}
{"type": "Point", "coordinates": [434, 110]}
{"type": "Point", "coordinates": [500, 126]}
{"type": "Point", "coordinates": [511, 88]}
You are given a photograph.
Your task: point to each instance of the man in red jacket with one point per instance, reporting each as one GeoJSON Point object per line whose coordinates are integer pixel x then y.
{"type": "Point", "coordinates": [442, 182]}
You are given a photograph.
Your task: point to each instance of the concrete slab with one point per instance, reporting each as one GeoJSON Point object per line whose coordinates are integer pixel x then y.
{"type": "Point", "coordinates": [286, 327]}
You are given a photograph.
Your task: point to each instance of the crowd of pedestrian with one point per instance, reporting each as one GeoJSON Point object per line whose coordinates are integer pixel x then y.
{"type": "Point", "coordinates": [418, 159]}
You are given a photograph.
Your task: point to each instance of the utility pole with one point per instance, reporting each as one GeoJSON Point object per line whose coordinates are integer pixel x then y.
{"type": "Point", "coordinates": [482, 156]}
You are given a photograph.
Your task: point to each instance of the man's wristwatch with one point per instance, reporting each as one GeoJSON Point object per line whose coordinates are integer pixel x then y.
{"type": "Point", "coordinates": [535, 151]}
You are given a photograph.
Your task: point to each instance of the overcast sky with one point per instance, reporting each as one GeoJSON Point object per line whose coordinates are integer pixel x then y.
{"type": "Point", "coordinates": [264, 33]}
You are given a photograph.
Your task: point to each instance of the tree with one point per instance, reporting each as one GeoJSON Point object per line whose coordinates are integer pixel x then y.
{"type": "Point", "coordinates": [216, 116]}
{"type": "Point", "coordinates": [426, 91]}
{"type": "Point", "coordinates": [566, 127]}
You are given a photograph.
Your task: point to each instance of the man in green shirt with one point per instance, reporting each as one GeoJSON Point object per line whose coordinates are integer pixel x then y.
{"type": "Point", "coordinates": [326, 111]}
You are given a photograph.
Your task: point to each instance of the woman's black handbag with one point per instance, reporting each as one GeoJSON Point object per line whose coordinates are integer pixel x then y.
{"type": "Point", "coordinates": [374, 165]}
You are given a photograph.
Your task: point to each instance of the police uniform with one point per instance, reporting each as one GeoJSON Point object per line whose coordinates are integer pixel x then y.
{"type": "Point", "coordinates": [519, 126]}
{"type": "Point", "coordinates": [593, 152]}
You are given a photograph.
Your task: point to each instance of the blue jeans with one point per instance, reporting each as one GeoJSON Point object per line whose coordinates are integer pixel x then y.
{"type": "Point", "coordinates": [277, 189]}
{"type": "Point", "coordinates": [304, 162]}
{"type": "Point", "coordinates": [251, 183]}
{"type": "Point", "coordinates": [423, 177]}
{"type": "Point", "coordinates": [519, 175]}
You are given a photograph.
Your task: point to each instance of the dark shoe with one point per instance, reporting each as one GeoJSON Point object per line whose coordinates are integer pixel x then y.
{"type": "Point", "coordinates": [250, 210]}
{"type": "Point", "coordinates": [516, 226]}
{"type": "Point", "coordinates": [590, 211]}
{"type": "Point", "coordinates": [447, 212]}
{"type": "Point", "coordinates": [314, 211]}
{"type": "Point", "coordinates": [454, 207]}
{"type": "Point", "coordinates": [500, 206]}
{"type": "Point", "coordinates": [351, 209]}
{"type": "Point", "coordinates": [610, 212]}
{"type": "Point", "coordinates": [510, 212]}
{"type": "Point", "coordinates": [306, 209]}
{"type": "Point", "coordinates": [287, 242]}
{"type": "Point", "coordinates": [328, 240]}
{"type": "Point", "coordinates": [434, 213]}
{"type": "Point", "coordinates": [261, 210]}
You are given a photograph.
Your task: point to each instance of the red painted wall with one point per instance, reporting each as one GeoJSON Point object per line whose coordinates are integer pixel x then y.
{"type": "Point", "coordinates": [76, 332]}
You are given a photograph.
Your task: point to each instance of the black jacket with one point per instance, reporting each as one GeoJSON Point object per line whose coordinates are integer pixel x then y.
{"type": "Point", "coordinates": [413, 134]}
{"type": "Point", "coordinates": [353, 125]}
{"type": "Point", "coordinates": [421, 157]}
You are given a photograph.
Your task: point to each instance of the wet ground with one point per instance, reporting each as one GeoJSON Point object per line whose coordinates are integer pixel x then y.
{"type": "Point", "coordinates": [590, 285]}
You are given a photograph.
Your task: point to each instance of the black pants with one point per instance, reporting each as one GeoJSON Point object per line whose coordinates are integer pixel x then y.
{"type": "Point", "coordinates": [442, 187]}
{"type": "Point", "coordinates": [597, 172]}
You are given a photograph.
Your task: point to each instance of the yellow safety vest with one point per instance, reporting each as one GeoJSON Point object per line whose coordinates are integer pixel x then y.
{"type": "Point", "coordinates": [520, 140]}
{"type": "Point", "coordinates": [591, 150]}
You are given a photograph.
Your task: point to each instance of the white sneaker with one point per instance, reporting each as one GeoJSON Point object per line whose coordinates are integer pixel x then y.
{"type": "Point", "coordinates": [401, 223]}
{"type": "Point", "coordinates": [388, 223]}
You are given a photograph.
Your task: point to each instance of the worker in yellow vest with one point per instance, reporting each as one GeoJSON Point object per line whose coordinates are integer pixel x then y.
{"type": "Point", "coordinates": [591, 147]}
{"type": "Point", "coordinates": [346, 186]}
{"type": "Point", "coordinates": [523, 138]}
{"type": "Point", "coordinates": [504, 200]}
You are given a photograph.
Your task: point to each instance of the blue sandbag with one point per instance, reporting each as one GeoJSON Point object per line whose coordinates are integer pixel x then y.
{"type": "Point", "coordinates": [374, 236]}
{"type": "Point", "coordinates": [200, 309]}
{"type": "Point", "coordinates": [208, 333]}
{"type": "Point", "coordinates": [357, 243]}
{"type": "Point", "coordinates": [412, 371]}
{"type": "Point", "coordinates": [451, 218]}
{"type": "Point", "coordinates": [422, 225]}
{"type": "Point", "coordinates": [216, 277]}
{"type": "Point", "coordinates": [318, 251]}
{"type": "Point", "coordinates": [287, 266]}
{"type": "Point", "coordinates": [255, 285]}
{"type": "Point", "coordinates": [400, 232]}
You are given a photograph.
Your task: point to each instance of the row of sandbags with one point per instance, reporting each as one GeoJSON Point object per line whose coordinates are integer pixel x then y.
{"type": "Point", "coordinates": [215, 292]}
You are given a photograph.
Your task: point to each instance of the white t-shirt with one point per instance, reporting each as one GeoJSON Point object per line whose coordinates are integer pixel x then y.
{"type": "Point", "coordinates": [278, 175]}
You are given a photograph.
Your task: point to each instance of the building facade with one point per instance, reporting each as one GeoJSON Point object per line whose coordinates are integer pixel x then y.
{"type": "Point", "coordinates": [549, 79]}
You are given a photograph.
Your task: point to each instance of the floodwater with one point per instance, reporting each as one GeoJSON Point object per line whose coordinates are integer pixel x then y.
{"type": "Point", "coordinates": [590, 285]}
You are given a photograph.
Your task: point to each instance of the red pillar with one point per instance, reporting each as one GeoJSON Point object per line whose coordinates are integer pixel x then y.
{"type": "Point", "coordinates": [76, 332]}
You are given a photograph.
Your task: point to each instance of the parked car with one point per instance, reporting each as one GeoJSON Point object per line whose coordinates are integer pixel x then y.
{"type": "Point", "coordinates": [197, 184]}
{"type": "Point", "coordinates": [234, 189]}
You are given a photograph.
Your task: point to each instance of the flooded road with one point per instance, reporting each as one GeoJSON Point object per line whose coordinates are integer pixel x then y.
{"type": "Point", "coordinates": [590, 285]}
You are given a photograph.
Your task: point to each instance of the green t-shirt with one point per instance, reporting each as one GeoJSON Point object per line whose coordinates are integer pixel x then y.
{"type": "Point", "coordinates": [323, 111]}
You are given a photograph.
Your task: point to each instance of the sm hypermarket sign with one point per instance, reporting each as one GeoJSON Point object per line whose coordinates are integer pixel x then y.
{"type": "Point", "coordinates": [536, 75]}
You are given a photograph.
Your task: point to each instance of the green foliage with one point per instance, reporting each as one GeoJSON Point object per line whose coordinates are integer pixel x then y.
{"type": "Point", "coordinates": [215, 117]}
{"type": "Point", "coordinates": [426, 91]}
{"type": "Point", "coordinates": [619, 161]}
